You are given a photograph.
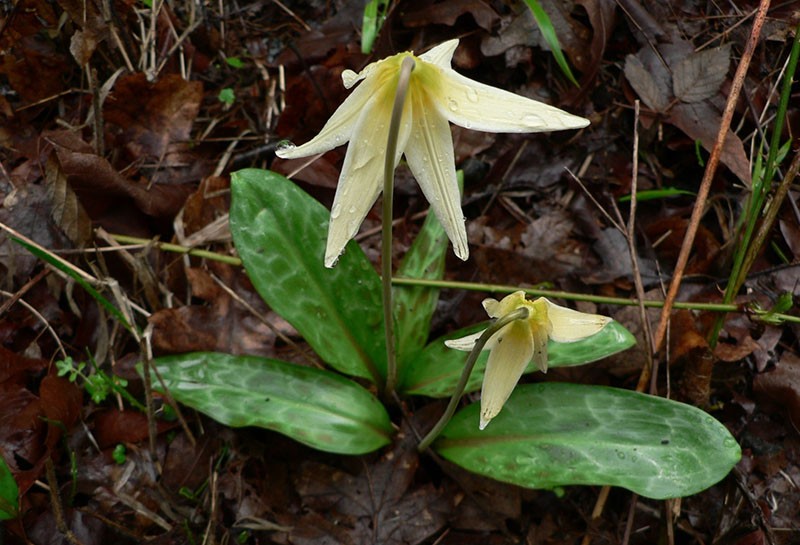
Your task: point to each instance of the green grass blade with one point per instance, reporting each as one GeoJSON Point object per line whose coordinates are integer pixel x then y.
{"type": "Point", "coordinates": [656, 194]}
{"type": "Point", "coordinates": [96, 295]}
{"type": "Point", "coordinates": [374, 16]}
{"type": "Point", "coordinates": [551, 434]}
{"type": "Point", "coordinates": [9, 493]}
{"type": "Point", "coordinates": [436, 370]}
{"type": "Point", "coordinates": [279, 232]}
{"type": "Point", "coordinates": [315, 407]}
{"type": "Point", "coordinates": [549, 34]}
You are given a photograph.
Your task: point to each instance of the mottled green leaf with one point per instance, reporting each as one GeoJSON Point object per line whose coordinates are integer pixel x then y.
{"type": "Point", "coordinates": [9, 492]}
{"type": "Point", "coordinates": [436, 370]}
{"type": "Point", "coordinates": [552, 434]}
{"type": "Point", "coordinates": [279, 232]}
{"type": "Point", "coordinates": [316, 407]}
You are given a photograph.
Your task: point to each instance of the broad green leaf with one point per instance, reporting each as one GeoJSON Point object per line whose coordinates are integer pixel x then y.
{"type": "Point", "coordinates": [312, 406]}
{"type": "Point", "coordinates": [549, 34]}
{"type": "Point", "coordinates": [553, 434]}
{"type": "Point", "coordinates": [414, 305]}
{"type": "Point", "coordinates": [9, 493]}
{"type": "Point", "coordinates": [279, 231]}
{"type": "Point", "coordinates": [436, 370]}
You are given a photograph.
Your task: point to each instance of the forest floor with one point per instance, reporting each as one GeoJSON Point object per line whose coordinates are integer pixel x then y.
{"type": "Point", "coordinates": [126, 119]}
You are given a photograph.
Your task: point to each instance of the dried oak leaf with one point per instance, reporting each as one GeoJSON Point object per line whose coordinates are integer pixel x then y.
{"type": "Point", "coordinates": [446, 13]}
{"type": "Point", "coordinates": [222, 324]}
{"type": "Point", "coordinates": [35, 68]}
{"type": "Point", "coordinates": [153, 122]}
{"type": "Point", "coordinates": [379, 505]}
{"type": "Point", "coordinates": [100, 186]}
{"type": "Point", "coordinates": [34, 419]}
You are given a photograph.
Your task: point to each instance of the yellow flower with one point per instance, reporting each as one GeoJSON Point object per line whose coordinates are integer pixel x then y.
{"type": "Point", "coordinates": [521, 341]}
{"type": "Point", "coordinates": [436, 95]}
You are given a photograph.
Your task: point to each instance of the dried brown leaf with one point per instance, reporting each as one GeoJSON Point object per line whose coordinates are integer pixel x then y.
{"type": "Point", "coordinates": [652, 91]}
{"type": "Point", "coordinates": [66, 210]}
{"type": "Point", "coordinates": [377, 505]}
{"type": "Point", "coordinates": [700, 121]}
{"type": "Point", "coordinates": [782, 386]}
{"type": "Point", "coordinates": [700, 75]}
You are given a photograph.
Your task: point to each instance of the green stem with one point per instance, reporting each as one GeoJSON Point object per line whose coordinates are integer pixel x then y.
{"type": "Point", "coordinates": [516, 314]}
{"type": "Point", "coordinates": [599, 299]}
{"type": "Point", "coordinates": [469, 286]}
{"type": "Point", "coordinates": [177, 248]}
{"type": "Point", "coordinates": [761, 186]}
{"type": "Point", "coordinates": [386, 241]}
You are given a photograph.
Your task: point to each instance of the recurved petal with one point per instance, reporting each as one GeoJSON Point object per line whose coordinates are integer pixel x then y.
{"type": "Point", "coordinates": [465, 344]}
{"type": "Point", "coordinates": [570, 325]}
{"type": "Point", "coordinates": [442, 54]}
{"type": "Point", "coordinates": [477, 106]}
{"type": "Point", "coordinates": [361, 180]}
{"type": "Point", "coordinates": [430, 157]}
{"type": "Point", "coordinates": [339, 128]}
{"type": "Point", "coordinates": [507, 361]}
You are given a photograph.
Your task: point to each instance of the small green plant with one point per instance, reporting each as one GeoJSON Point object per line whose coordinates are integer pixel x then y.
{"type": "Point", "coordinates": [98, 383]}
{"type": "Point", "coordinates": [227, 96]}
{"type": "Point", "coordinates": [119, 454]}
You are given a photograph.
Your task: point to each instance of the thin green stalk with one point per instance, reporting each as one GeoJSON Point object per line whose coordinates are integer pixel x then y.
{"type": "Point", "coordinates": [386, 241]}
{"type": "Point", "coordinates": [761, 186]}
{"type": "Point", "coordinates": [599, 299]}
{"type": "Point", "coordinates": [177, 248]}
{"type": "Point", "coordinates": [516, 314]}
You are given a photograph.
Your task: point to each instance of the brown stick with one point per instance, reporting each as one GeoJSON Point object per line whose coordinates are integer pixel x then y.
{"type": "Point", "coordinates": [708, 175]}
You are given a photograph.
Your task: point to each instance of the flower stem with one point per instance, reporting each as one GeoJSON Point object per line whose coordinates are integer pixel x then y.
{"type": "Point", "coordinates": [516, 314]}
{"type": "Point", "coordinates": [386, 241]}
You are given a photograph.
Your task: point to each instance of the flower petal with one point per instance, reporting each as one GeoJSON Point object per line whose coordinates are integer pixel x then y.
{"type": "Point", "coordinates": [477, 106]}
{"type": "Point", "coordinates": [339, 128]}
{"type": "Point", "coordinates": [539, 335]}
{"type": "Point", "coordinates": [465, 344]}
{"type": "Point", "coordinates": [429, 153]}
{"type": "Point", "coordinates": [442, 54]}
{"type": "Point", "coordinates": [512, 301]}
{"type": "Point", "coordinates": [510, 355]}
{"type": "Point", "coordinates": [361, 180]}
{"type": "Point", "coordinates": [570, 325]}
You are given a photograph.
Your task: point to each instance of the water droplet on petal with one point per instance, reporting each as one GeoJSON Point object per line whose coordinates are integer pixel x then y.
{"type": "Point", "coordinates": [467, 124]}
{"type": "Point", "coordinates": [337, 210]}
{"type": "Point", "coordinates": [472, 94]}
{"type": "Point", "coordinates": [352, 210]}
{"type": "Point", "coordinates": [452, 104]}
{"type": "Point", "coordinates": [284, 145]}
{"type": "Point", "coordinates": [533, 119]}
